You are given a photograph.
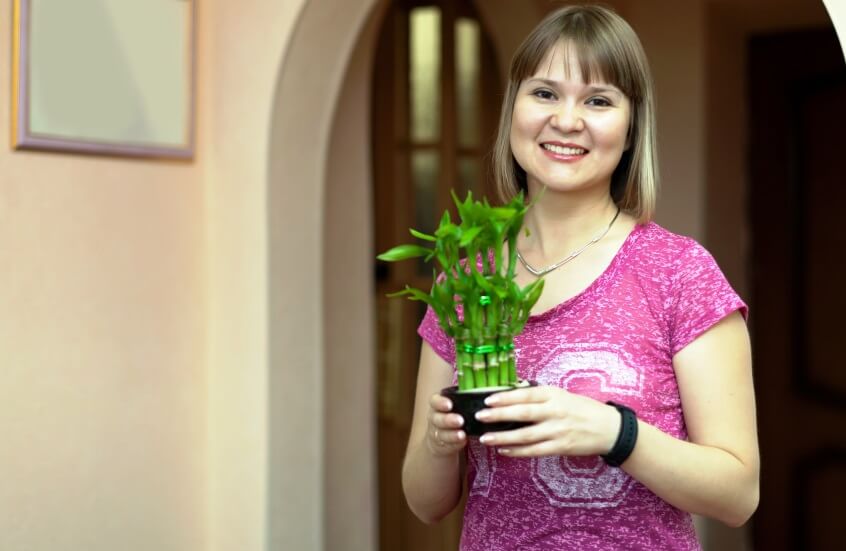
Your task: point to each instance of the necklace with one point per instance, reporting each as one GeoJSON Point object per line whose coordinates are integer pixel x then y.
{"type": "Point", "coordinates": [543, 271]}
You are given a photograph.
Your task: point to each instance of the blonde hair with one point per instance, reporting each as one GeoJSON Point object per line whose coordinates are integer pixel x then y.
{"type": "Point", "coordinates": [607, 49]}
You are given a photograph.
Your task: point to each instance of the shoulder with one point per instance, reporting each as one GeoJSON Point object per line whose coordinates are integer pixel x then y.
{"type": "Point", "coordinates": [658, 239]}
{"type": "Point", "coordinates": [659, 250]}
{"type": "Point", "coordinates": [672, 264]}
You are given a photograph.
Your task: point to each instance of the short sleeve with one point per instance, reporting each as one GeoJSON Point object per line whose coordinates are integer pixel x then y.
{"type": "Point", "coordinates": [702, 297]}
{"type": "Point", "coordinates": [431, 332]}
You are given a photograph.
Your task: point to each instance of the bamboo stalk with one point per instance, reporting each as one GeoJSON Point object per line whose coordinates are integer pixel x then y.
{"type": "Point", "coordinates": [464, 360]}
{"type": "Point", "coordinates": [502, 354]}
{"type": "Point", "coordinates": [491, 357]}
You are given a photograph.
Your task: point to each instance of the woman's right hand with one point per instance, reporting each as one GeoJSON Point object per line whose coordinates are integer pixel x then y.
{"type": "Point", "coordinates": [444, 436]}
{"type": "Point", "coordinates": [431, 472]}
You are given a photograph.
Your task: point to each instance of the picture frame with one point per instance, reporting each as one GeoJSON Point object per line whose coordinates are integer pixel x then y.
{"type": "Point", "coordinates": [104, 77]}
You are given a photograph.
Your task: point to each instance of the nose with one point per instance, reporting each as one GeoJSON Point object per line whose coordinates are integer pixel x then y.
{"type": "Point", "coordinates": [567, 119]}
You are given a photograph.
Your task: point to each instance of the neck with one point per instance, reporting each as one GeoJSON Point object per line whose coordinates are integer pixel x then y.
{"type": "Point", "coordinates": [559, 223]}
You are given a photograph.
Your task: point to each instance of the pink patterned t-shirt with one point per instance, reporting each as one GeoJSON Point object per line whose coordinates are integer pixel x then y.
{"type": "Point", "coordinates": [614, 341]}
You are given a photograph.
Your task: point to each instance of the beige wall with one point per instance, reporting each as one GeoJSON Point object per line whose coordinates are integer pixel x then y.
{"type": "Point", "coordinates": [309, 402]}
{"type": "Point", "coordinates": [244, 44]}
{"type": "Point", "coordinates": [350, 424]}
{"type": "Point", "coordinates": [102, 358]}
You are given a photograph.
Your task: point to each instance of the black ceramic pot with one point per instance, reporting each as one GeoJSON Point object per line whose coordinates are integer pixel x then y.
{"type": "Point", "coordinates": [467, 403]}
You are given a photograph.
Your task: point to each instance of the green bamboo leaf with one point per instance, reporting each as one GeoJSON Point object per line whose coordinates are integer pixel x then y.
{"type": "Point", "coordinates": [532, 293]}
{"type": "Point", "coordinates": [421, 235]}
{"type": "Point", "coordinates": [483, 283]}
{"type": "Point", "coordinates": [445, 219]}
{"type": "Point", "coordinates": [461, 279]}
{"type": "Point", "coordinates": [446, 230]}
{"type": "Point", "coordinates": [454, 197]}
{"type": "Point", "coordinates": [504, 213]}
{"type": "Point", "coordinates": [468, 236]}
{"type": "Point", "coordinates": [459, 205]}
{"type": "Point", "coordinates": [404, 252]}
{"type": "Point", "coordinates": [400, 293]}
{"type": "Point", "coordinates": [442, 259]}
{"type": "Point", "coordinates": [412, 294]}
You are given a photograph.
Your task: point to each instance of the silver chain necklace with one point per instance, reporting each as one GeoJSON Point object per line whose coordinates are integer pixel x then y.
{"type": "Point", "coordinates": [543, 271]}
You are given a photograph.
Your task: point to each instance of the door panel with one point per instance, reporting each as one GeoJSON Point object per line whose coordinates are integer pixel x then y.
{"type": "Point", "coordinates": [432, 127]}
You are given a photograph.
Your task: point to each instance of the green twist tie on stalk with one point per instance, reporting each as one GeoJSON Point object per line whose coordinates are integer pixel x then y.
{"type": "Point", "coordinates": [485, 348]}
{"type": "Point", "coordinates": [484, 300]}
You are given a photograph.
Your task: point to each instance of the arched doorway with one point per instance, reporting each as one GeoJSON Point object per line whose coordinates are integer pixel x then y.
{"type": "Point", "coordinates": [321, 492]}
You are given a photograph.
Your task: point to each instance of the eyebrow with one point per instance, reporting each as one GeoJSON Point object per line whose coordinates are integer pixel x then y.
{"type": "Point", "coordinates": [592, 89]}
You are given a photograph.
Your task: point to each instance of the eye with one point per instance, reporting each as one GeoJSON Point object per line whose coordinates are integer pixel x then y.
{"type": "Point", "coordinates": [599, 101]}
{"type": "Point", "coordinates": [543, 93]}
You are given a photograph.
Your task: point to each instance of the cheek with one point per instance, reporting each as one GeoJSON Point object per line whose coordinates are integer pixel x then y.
{"type": "Point", "coordinates": [525, 126]}
{"type": "Point", "coordinates": [615, 134]}
{"type": "Point", "coordinates": [517, 134]}
{"type": "Point", "coordinates": [521, 142]}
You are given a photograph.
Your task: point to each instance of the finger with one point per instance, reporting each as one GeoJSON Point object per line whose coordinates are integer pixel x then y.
{"type": "Point", "coordinates": [545, 448]}
{"type": "Point", "coordinates": [533, 394]}
{"type": "Point", "coordinates": [440, 403]}
{"type": "Point", "coordinates": [517, 437]}
{"type": "Point", "coordinates": [446, 442]}
{"type": "Point", "coordinates": [446, 421]}
{"type": "Point", "coordinates": [527, 412]}
{"type": "Point", "coordinates": [451, 437]}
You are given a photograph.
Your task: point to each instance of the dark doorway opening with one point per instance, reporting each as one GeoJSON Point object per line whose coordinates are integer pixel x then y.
{"type": "Point", "coordinates": [797, 106]}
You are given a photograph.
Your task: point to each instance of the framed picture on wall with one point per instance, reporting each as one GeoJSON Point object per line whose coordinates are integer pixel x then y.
{"type": "Point", "coordinates": [110, 77]}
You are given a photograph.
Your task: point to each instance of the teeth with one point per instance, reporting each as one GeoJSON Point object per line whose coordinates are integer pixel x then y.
{"type": "Point", "coordinates": [565, 150]}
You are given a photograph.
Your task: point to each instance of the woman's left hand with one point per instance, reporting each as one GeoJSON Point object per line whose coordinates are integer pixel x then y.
{"type": "Point", "coordinates": [563, 423]}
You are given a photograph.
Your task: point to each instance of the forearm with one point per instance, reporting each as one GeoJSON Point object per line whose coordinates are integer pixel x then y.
{"type": "Point", "coordinates": [699, 479]}
{"type": "Point", "coordinates": [431, 482]}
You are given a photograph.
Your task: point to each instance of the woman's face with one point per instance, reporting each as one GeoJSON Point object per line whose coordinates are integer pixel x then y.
{"type": "Point", "coordinates": [565, 133]}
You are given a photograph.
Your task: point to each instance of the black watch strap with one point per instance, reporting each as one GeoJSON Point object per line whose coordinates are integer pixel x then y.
{"type": "Point", "coordinates": [626, 439]}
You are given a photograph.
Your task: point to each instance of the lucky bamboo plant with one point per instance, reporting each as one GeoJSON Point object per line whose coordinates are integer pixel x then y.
{"type": "Point", "coordinates": [476, 299]}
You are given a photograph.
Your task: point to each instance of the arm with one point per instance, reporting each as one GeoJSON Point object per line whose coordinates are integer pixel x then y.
{"type": "Point", "coordinates": [431, 472]}
{"type": "Point", "coordinates": [715, 473]}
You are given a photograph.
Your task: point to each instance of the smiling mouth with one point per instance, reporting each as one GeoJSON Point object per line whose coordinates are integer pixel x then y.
{"type": "Point", "coordinates": [560, 150]}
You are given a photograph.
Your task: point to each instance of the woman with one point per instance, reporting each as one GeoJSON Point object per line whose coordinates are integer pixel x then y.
{"type": "Point", "coordinates": [645, 408]}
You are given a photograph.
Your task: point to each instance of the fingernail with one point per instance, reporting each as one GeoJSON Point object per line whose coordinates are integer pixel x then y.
{"type": "Point", "coordinates": [482, 414]}
{"type": "Point", "coordinates": [491, 401]}
{"type": "Point", "coordinates": [503, 451]}
{"type": "Point", "coordinates": [460, 435]}
{"type": "Point", "coordinates": [485, 438]}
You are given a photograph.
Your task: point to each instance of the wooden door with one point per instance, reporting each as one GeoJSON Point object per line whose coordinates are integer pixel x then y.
{"type": "Point", "coordinates": [797, 101]}
{"type": "Point", "coordinates": [435, 104]}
